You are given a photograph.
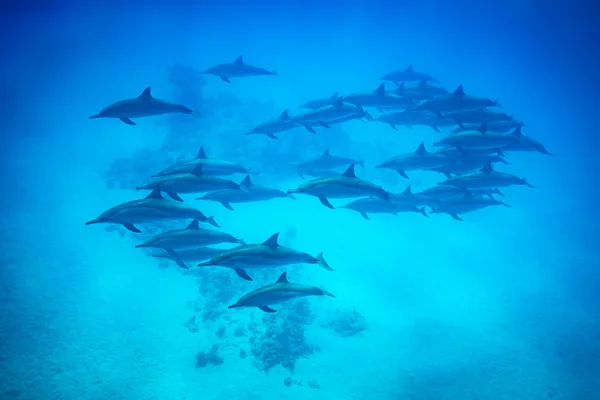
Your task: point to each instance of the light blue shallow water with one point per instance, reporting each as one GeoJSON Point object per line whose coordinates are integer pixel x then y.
{"type": "Point", "coordinates": [502, 305]}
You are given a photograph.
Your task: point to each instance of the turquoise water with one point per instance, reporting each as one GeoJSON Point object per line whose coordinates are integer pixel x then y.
{"type": "Point", "coordinates": [502, 305]}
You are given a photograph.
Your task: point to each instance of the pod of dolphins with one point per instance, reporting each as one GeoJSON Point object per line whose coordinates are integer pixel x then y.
{"type": "Point", "coordinates": [479, 139]}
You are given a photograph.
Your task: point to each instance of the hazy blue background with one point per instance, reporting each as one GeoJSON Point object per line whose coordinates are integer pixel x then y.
{"type": "Point", "coordinates": [533, 270]}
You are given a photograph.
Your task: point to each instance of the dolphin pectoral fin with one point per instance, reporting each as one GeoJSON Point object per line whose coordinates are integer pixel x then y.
{"type": "Point", "coordinates": [365, 216]}
{"type": "Point", "coordinates": [447, 175]}
{"type": "Point", "coordinates": [324, 125]}
{"type": "Point", "coordinates": [226, 79]}
{"type": "Point", "coordinates": [402, 173]}
{"type": "Point", "coordinates": [300, 174]}
{"type": "Point", "coordinates": [227, 205]}
{"type": "Point", "coordinates": [322, 263]}
{"type": "Point", "coordinates": [127, 121]}
{"type": "Point", "coordinates": [270, 135]}
{"type": "Point", "coordinates": [174, 196]}
{"type": "Point", "coordinates": [290, 196]}
{"type": "Point", "coordinates": [310, 129]}
{"type": "Point", "coordinates": [176, 258]}
{"type": "Point", "coordinates": [393, 126]}
{"type": "Point", "coordinates": [242, 274]}
{"type": "Point", "coordinates": [423, 211]}
{"type": "Point", "coordinates": [325, 202]}
{"type": "Point", "coordinates": [435, 128]}
{"type": "Point", "coordinates": [266, 309]}
{"type": "Point", "coordinates": [132, 228]}
{"type": "Point", "coordinates": [211, 220]}
{"type": "Point", "coordinates": [456, 217]}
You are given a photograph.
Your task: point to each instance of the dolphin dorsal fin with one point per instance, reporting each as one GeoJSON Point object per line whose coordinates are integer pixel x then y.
{"type": "Point", "coordinates": [197, 170]}
{"type": "Point", "coordinates": [193, 225]}
{"type": "Point", "coordinates": [400, 89]}
{"type": "Point", "coordinates": [517, 131]}
{"type": "Point", "coordinates": [349, 173]}
{"type": "Point", "coordinates": [483, 127]}
{"type": "Point", "coordinates": [407, 190]}
{"type": "Point", "coordinates": [459, 92]}
{"type": "Point", "coordinates": [339, 102]}
{"type": "Point", "coordinates": [155, 194]}
{"type": "Point", "coordinates": [201, 153]}
{"type": "Point", "coordinates": [334, 96]}
{"type": "Point", "coordinates": [146, 95]}
{"type": "Point", "coordinates": [284, 116]}
{"type": "Point", "coordinates": [239, 61]}
{"type": "Point", "coordinates": [487, 168]}
{"type": "Point", "coordinates": [326, 153]}
{"type": "Point", "coordinates": [409, 68]}
{"type": "Point", "coordinates": [423, 83]}
{"type": "Point", "coordinates": [380, 89]}
{"type": "Point", "coordinates": [283, 278]}
{"type": "Point", "coordinates": [246, 182]}
{"type": "Point", "coordinates": [272, 241]}
{"type": "Point", "coordinates": [421, 149]}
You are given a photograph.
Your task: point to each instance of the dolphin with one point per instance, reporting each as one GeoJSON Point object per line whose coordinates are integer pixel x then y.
{"type": "Point", "coordinates": [526, 143]}
{"type": "Point", "coordinates": [338, 110]}
{"type": "Point", "coordinates": [191, 236]}
{"type": "Point", "coordinates": [407, 75]}
{"type": "Point", "coordinates": [486, 178]}
{"type": "Point", "coordinates": [456, 101]}
{"type": "Point", "coordinates": [408, 198]}
{"type": "Point", "coordinates": [142, 106]}
{"type": "Point", "coordinates": [492, 126]}
{"type": "Point", "coordinates": [236, 69]}
{"type": "Point", "coordinates": [193, 182]}
{"type": "Point", "coordinates": [424, 90]}
{"type": "Point", "coordinates": [317, 173]}
{"type": "Point", "coordinates": [210, 166]}
{"type": "Point", "coordinates": [250, 193]}
{"type": "Point", "coordinates": [467, 163]}
{"type": "Point", "coordinates": [277, 293]}
{"type": "Point", "coordinates": [270, 128]}
{"type": "Point", "coordinates": [375, 205]}
{"type": "Point", "coordinates": [479, 139]}
{"type": "Point", "coordinates": [267, 254]}
{"type": "Point", "coordinates": [346, 185]}
{"type": "Point", "coordinates": [409, 118]}
{"type": "Point", "coordinates": [437, 194]}
{"type": "Point", "coordinates": [379, 98]}
{"type": "Point", "coordinates": [150, 209]}
{"type": "Point", "coordinates": [467, 203]}
{"type": "Point", "coordinates": [318, 103]}
{"type": "Point", "coordinates": [326, 161]}
{"type": "Point", "coordinates": [420, 159]}
{"type": "Point", "coordinates": [180, 257]}
{"type": "Point", "coordinates": [477, 116]}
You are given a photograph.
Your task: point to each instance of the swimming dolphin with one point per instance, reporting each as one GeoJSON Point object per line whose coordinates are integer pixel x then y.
{"type": "Point", "coordinates": [317, 173]}
{"type": "Point", "coordinates": [479, 139]}
{"type": "Point", "coordinates": [210, 166]}
{"type": "Point", "coordinates": [374, 205]}
{"type": "Point", "coordinates": [270, 128]}
{"type": "Point", "coordinates": [277, 293]}
{"type": "Point", "coordinates": [477, 116]}
{"type": "Point", "coordinates": [408, 118]}
{"type": "Point", "coordinates": [194, 255]}
{"type": "Point", "coordinates": [438, 194]}
{"type": "Point", "coordinates": [467, 203]}
{"type": "Point", "coordinates": [267, 254]}
{"type": "Point", "coordinates": [191, 236]}
{"type": "Point", "coordinates": [419, 159]}
{"type": "Point", "coordinates": [492, 126]}
{"type": "Point", "coordinates": [485, 178]}
{"type": "Point", "coordinates": [318, 103]}
{"type": "Point", "coordinates": [467, 163]}
{"type": "Point", "coordinates": [346, 185]}
{"type": "Point", "coordinates": [142, 106]}
{"type": "Point", "coordinates": [236, 69]}
{"type": "Point", "coordinates": [456, 101]}
{"type": "Point", "coordinates": [378, 98]}
{"type": "Point", "coordinates": [407, 75]}
{"type": "Point", "coordinates": [193, 182]}
{"type": "Point", "coordinates": [149, 209]}
{"type": "Point", "coordinates": [424, 90]}
{"type": "Point", "coordinates": [408, 198]}
{"type": "Point", "coordinates": [338, 110]}
{"type": "Point", "coordinates": [250, 193]}
{"type": "Point", "coordinates": [325, 161]}
{"type": "Point", "coordinates": [525, 143]}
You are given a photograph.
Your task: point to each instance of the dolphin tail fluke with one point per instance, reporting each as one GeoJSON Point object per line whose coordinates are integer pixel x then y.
{"type": "Point", "coordinates": [322, 263]}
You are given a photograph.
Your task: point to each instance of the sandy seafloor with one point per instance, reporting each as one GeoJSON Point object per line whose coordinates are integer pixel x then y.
{"type": "Point", "coordinates": [502, 306]}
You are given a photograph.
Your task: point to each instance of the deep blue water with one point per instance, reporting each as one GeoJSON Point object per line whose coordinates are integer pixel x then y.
{"type": "Point", "coordinates": [503, 305]}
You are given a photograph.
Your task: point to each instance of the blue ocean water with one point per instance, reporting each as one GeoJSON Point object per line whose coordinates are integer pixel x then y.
{"type": "Point", "coordinates": [501, 305]}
